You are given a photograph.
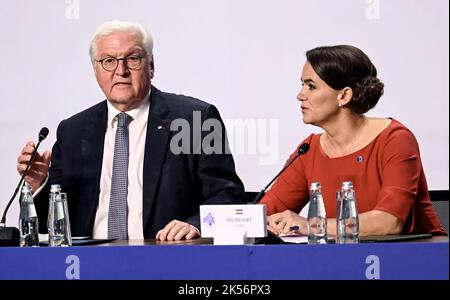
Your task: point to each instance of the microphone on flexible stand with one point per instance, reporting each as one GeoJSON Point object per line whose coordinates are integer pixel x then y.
{"type": "Point", "coordinates": [272, 238]}
{"type": "Point", "coordinates": [9, 236]}
{"type": "Point", "coordinates": [301, 150]}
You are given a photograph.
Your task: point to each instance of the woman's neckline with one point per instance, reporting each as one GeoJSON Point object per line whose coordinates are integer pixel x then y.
{"type": "Point", "coordinates": [324, 154]}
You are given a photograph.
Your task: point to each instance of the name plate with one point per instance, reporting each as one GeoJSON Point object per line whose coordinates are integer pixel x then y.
{"type": "Point", "coordinates": [233, 224]}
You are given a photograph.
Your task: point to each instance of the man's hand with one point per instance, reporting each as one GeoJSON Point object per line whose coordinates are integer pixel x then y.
{"type": "Point", "coordinates": [177, 230]}
{"type": "Point", "coordinates": [39, 168]}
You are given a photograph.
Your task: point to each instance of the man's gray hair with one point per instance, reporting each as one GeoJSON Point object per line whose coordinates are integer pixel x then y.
{"type": "Point", "coordinates": [111, 27]}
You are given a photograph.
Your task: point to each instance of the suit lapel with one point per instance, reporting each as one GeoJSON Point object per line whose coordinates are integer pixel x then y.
{"type": "Point", "coordinates": [158, 131]}
{"type": "Point", "coordinates": [92, 144]}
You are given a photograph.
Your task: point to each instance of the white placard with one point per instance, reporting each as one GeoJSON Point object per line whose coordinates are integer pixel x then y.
{"type": "Point", "coordinates": [233, 224]}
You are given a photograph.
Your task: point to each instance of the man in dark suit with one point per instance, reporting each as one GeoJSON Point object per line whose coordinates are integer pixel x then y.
{"type": "Point", "coordinates": [118, 161]}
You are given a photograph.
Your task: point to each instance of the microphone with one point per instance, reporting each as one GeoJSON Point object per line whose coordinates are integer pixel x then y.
{"type": "Point", "coordinates": [42, 134]}
{"type": "Point", "coordinates": [9, 236]}
{"type": "Point", "coordinates": [301, 150]}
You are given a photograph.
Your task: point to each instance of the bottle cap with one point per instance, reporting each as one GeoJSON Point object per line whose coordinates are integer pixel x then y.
{"type": "Point", "coordinates": [315, 185]}
{"type": "Point", "coordinates": [26, 188]}
{"type": "Point", "coordinates": [347, 185]}
{"type": "Point", "coordinates": [55, 188]}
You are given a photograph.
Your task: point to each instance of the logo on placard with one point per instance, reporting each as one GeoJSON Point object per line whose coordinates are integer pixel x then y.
{"type": "Point", "coordinates": [209, 219]}
{"type": "Point", "coordinates": [239, 211]}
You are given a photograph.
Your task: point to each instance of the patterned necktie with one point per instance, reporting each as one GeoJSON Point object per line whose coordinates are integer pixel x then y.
{"type": "Point", "coordinates": [118, 208]}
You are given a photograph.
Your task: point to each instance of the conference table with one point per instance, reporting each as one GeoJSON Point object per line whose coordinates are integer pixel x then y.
{"type": "Point", "coordinates": [201, 260]}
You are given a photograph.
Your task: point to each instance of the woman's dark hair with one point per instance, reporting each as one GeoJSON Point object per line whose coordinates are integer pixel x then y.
{"type": "Point", "coordinates": [344, 65]}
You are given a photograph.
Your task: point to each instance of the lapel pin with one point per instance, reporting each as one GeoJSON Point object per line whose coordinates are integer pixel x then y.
{"type": "Point", "coordinates": [160, 127]}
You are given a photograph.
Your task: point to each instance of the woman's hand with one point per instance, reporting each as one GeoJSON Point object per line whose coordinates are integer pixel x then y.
{"type": "Point", "coordinates": [286, 222]}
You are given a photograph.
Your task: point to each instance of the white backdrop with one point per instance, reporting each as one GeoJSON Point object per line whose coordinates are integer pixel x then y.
{"type": "Point", "coordinates": [243, 56]}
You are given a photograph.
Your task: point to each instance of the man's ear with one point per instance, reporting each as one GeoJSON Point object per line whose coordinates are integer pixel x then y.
{"type": "Point", "coordinates": [95, 71]}
{"type": "Point", "coordinates": [152, 67]}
